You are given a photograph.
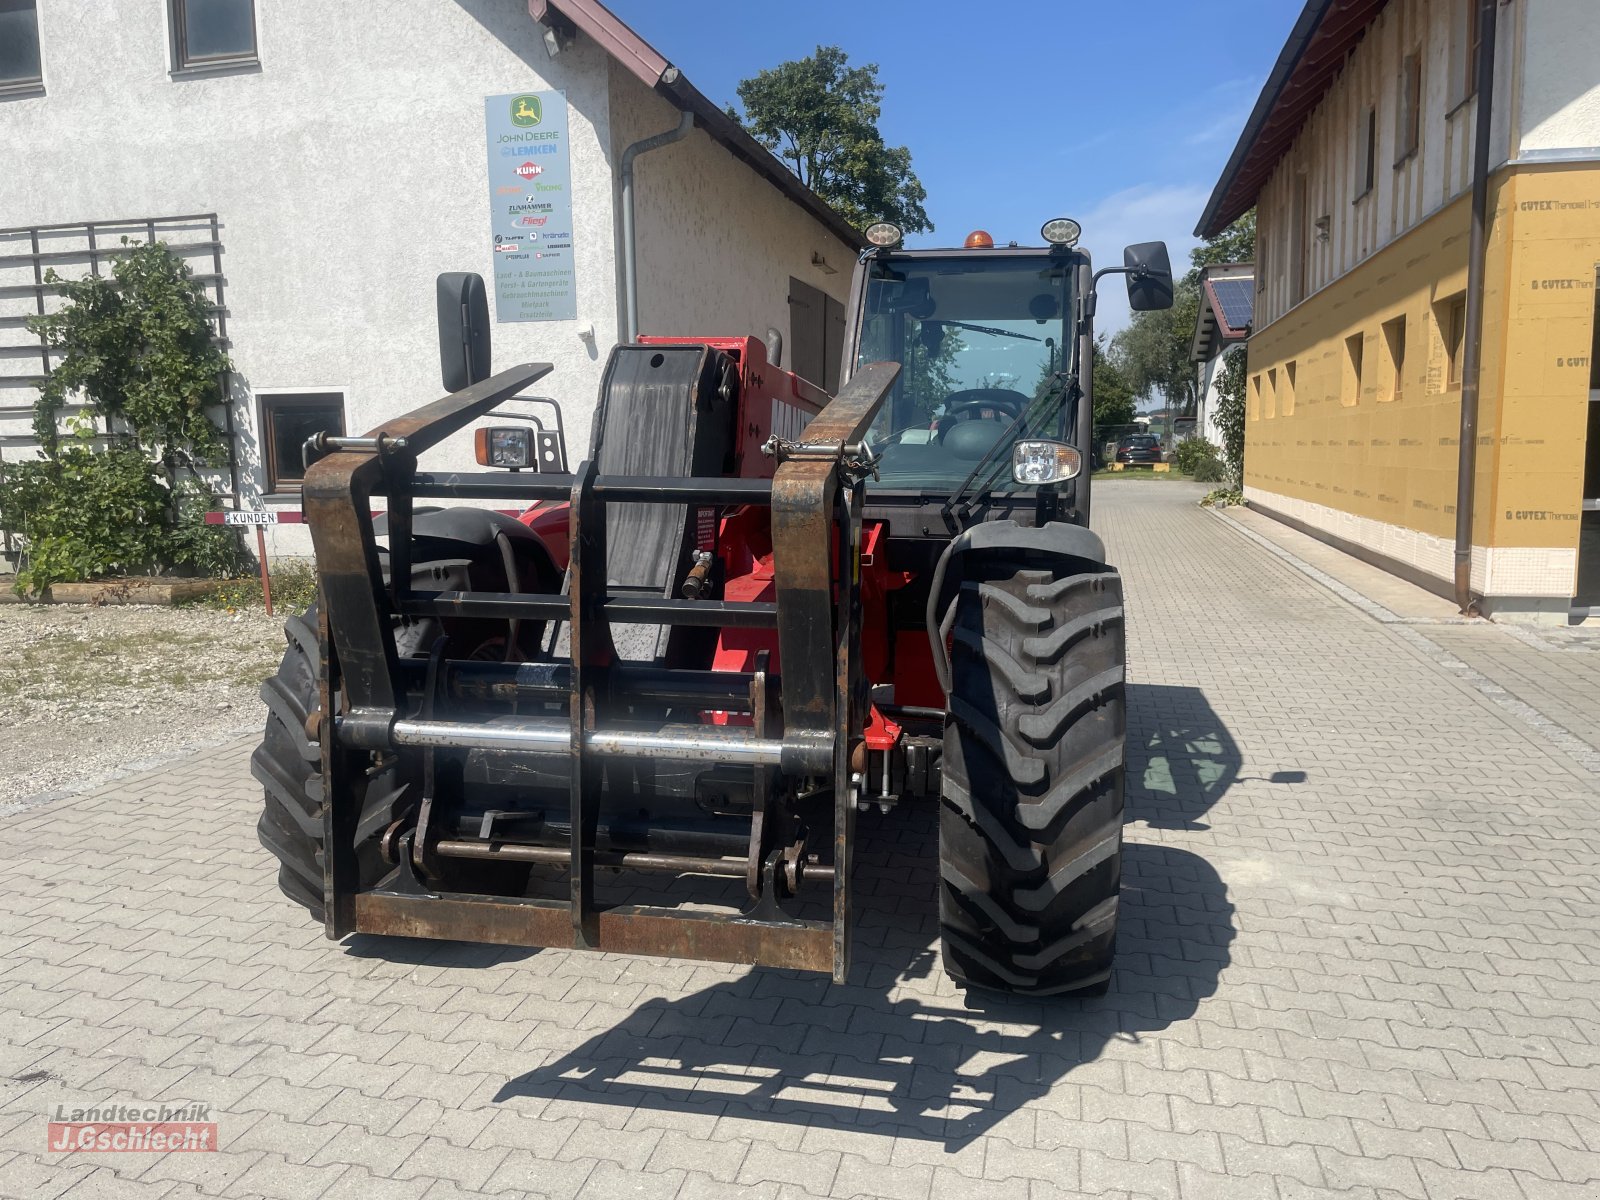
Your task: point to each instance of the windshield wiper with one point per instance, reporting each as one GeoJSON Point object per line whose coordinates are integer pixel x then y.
{"type": "Point", "coordinates": [989, 329]}
{"type": "Point", "coordinates": [1040, 408]}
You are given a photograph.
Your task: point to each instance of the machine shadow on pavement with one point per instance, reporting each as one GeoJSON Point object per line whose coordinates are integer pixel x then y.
{"type": "Point", "coordinates": [892, 1051]}
{"type": "Point", "coordinates": [1181, 757]}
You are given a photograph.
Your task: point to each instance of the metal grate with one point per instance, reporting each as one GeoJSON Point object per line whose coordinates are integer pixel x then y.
{"type": "Point", "coordinates": [26, 252]}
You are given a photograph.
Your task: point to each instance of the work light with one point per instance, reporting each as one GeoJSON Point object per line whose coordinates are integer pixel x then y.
{"type": "Point", "coordinates": [502, 446]}
{"type": "Point", "coordinates": [1061, 231]}
{"type": "Point", "coordinates": [884, 233]}
{"type": "Point", "coordinates": [1035, 462]}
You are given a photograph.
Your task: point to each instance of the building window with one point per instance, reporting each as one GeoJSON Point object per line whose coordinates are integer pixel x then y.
{"type": "Point", "coordinates": [1354, 352]}
{"type": "Point", "coordinates": [1408, 125]}
{"type": "Point", "coordinates": [212, 33]}
{"type": "Point", "coordinates": [1269, 394]}
{"type": "Point", "coordinates": [1452, 316]}
{"type": "Point", "coordinates": [1394, 350]}
{"type": "Point", "coordinates": [1300, 265]}
{"type": "Point", "coordinates": [19, 47]}
{"type": "Point", "coordinates": [1287, 396]}
{"type": "Point", "coordinates": [287, 420]}
{"type": "Point", "coordinates": [1255, 397]}
{"type": "Point", "coordinates": [1367, 155]}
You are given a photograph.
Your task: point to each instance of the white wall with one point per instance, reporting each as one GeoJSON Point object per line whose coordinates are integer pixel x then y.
{"type": "Point", "coordinates": [1211, 381]}
{"type": "Point", "coordinates": [717, 242]}
{"type": "Point", "coordinates": [348, 171]}
{"type": "Point", "coordinates": [1560, 100]}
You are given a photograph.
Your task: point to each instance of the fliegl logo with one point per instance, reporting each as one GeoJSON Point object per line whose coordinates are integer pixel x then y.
{"type": "Point", "coordinates": [526, 111]}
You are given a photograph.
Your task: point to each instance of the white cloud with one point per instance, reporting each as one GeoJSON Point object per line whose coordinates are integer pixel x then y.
{"type": "Point", "coordinates": [1225, 128]}
{"type": "Point", "coordinates": [1146, 213]}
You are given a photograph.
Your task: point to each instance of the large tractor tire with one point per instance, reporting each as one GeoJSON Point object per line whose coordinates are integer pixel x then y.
{"type": "Point", "coordinates": [1030, 825]}
{"type": "Point", "coordinates": [289, 766]}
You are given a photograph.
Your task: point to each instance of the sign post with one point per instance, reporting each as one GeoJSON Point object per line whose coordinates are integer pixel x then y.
{"type": "Point", "coordinates": [259, 519]}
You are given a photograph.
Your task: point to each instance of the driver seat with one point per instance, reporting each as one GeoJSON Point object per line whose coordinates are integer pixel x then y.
{"type": "Point", "coordinates": [971, 440]}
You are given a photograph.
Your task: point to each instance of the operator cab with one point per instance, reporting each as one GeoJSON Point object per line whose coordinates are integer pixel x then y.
{"type": "Point", "coordinates": [981, 339]}
{"type": "Point", "coordinates": [992, 406]}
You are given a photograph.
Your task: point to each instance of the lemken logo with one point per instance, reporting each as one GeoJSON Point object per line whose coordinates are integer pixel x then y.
{"type": "Point", "coordinates": [526, 111]}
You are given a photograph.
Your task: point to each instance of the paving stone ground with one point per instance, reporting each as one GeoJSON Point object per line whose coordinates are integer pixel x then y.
{"type": "Point", "coordinates": [1360, 958]}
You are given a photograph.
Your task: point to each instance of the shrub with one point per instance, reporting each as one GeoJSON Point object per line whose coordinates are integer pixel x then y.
{"type": "Point", "coordinates": [1222, 498]}
{"type": "Point", "coordinates": [1209, 470]}
{"type": "Point", "coordinates": [1230, 411]}
{"type": "Point", "coordinates": [139, 349]}
{"type": "Point", "coordinates": [1193, 453]}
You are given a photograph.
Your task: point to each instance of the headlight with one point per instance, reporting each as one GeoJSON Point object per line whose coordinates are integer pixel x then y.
{"type": "Point", "coordinates": [1061, 231]}
{"type": "Point", "coordinates": [884, 233]}
{"type": "Point", "coordinates": [1037, 462]}
{"type": "Point", "coordinates": [503, 446]}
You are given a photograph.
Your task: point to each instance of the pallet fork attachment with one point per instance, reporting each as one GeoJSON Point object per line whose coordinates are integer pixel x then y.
{"type": "Point", "coordinates": [802, 733]}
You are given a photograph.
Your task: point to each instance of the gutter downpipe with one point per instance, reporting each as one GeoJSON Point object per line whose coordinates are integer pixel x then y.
{"type": "Point", "coordinates": [1472, 353]}
{"type": "Point", "coordinates": [630, 260]}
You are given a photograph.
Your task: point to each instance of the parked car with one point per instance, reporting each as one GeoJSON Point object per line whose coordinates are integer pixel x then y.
{"type": "Point", "coordinates": [1141, 449]}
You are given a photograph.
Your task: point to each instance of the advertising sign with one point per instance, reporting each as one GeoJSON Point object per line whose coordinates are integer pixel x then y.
{"type": "Point", "coordinates": [530, 206]}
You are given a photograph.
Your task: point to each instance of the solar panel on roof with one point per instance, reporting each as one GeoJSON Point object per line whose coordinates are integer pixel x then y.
{"type": "Point", "coordinates": [1235, 300]}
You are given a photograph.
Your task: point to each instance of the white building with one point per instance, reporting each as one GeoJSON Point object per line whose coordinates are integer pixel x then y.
{"type": "Point", "coordinates": [339, 159]}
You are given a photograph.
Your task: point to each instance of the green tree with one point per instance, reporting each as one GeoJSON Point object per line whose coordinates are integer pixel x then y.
{"type": "Point", "coordinates": [1113, 394]}
{"type": "Point", "coordinates": [139, 350]}
{"type": "Point", "coordinates": [1153, 351]}
{"type": "Point", "coordinates": [1154, 348]}
{"type": "Point", "coordinates": [820, 116]}
{"type": "Point", "coordinates": [1235, 244]}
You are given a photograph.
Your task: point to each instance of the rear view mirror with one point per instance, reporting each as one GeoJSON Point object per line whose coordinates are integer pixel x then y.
{"type": "Point", "coordinates": [463, 329]}
{"type": "Point", "coordinates": [1149, 276]}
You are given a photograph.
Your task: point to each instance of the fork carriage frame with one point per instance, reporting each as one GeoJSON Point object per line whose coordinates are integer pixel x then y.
{"type": "Point", "coordinates": [809, 734]}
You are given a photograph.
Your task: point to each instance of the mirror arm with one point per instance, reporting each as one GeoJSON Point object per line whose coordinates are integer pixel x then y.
{"type": "Point", "coordinates": [1138, 273]}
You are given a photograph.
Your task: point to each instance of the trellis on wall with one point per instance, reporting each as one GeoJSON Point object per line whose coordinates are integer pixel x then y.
{"type": "Point", "coordinates": [26, 253]}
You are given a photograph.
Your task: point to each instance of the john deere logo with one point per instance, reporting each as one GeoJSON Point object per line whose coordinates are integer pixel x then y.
{"type": "Point", "coordinates": [526, 111]}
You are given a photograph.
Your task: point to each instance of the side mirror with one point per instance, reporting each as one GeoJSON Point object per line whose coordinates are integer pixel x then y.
{"type": "Point", "coordinates": [1149, 276]}
{"type": "Point", "coordinates": [463, 329]}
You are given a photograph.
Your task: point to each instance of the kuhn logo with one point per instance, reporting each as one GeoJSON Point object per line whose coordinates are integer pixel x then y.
{"type": "Point", "coordinates": [530, 170]}
{"type": "Point", "coordinates": [507, 248]}
{"type": "Point", "coordinates": [534, 222]}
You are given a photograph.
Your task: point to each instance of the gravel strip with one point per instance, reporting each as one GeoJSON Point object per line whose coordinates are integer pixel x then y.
{"type": "Point", "coordinates": [87, 692]}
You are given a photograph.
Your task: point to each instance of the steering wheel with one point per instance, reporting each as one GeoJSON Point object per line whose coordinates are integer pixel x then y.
{"type": "Point", "coordinates": [963, 405]}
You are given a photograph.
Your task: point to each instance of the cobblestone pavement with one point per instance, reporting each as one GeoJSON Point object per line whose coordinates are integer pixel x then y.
{"type": "Point", "coordinates": [1556, 670]}
{"type": "Point", "coordinates": [1360, 958]}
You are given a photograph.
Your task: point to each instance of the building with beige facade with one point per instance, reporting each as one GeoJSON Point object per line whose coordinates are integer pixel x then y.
{"type": "Point", "coordinates": [1359, 162]}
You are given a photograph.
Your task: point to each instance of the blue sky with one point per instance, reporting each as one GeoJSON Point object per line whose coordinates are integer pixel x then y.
{"type": "Point", "coordinates": [1120, 114]}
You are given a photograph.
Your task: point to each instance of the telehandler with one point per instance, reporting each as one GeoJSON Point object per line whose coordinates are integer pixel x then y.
{"type": "Point", "coordinates": [752, 610]}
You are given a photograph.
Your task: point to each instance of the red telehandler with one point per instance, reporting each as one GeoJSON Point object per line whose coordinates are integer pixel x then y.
{"type": "Point", "coordinates": [750, 611]}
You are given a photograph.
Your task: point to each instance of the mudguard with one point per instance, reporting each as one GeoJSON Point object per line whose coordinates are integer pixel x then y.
{"type": "Point", "coordinates": [1065, 546]}
{"type": "Point", "coordinates": [442, 534]}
